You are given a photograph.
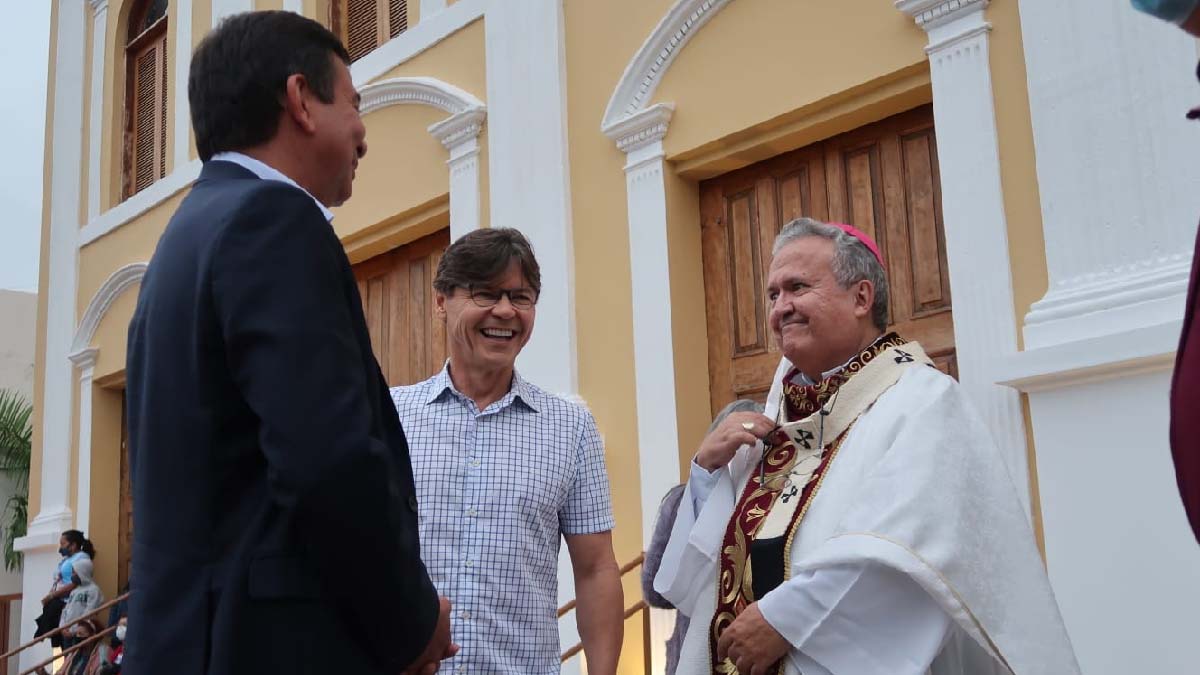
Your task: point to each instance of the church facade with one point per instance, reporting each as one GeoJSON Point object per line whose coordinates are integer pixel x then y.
{"type": "Point", "coordinates": [1023, 164]}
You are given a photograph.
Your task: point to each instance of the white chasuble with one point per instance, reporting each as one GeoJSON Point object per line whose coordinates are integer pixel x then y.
{"type": "Point", "coordinates": [919, 489]}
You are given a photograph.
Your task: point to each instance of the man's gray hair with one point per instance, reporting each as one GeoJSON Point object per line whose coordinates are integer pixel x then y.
{"type": "Point", "coordinates": [852, 260]}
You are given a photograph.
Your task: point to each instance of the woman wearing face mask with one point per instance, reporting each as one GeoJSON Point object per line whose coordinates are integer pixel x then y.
{"type": "Point", "coordinates": [73, 547]}
{"type": "Point", "coordinates": [1185, 382]}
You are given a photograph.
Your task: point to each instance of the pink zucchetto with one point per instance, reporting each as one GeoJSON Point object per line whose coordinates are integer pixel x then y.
{"type": "Point", "coordinates": [862, 236]}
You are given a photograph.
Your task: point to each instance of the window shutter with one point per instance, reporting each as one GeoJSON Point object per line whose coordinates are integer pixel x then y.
{"type": "Point", "coordinates": [149, 115]}
{"type": "Point", "coordinates": [397, 17]}
{"type": "Point", "coordinates": [362, 21]}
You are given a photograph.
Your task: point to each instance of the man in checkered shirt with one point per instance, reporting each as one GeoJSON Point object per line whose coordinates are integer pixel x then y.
{"type": "Point", "coordinates": [503, 469]}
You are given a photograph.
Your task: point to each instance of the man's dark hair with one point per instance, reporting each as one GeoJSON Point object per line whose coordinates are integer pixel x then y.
{"type": "Point", "coordinates": [481, 257]}
{"type": "Point", "coordinates": [239, 75]}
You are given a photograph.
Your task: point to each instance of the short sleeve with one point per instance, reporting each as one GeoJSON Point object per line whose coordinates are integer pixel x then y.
{"type": "Point", "coordinates": [588, 508]}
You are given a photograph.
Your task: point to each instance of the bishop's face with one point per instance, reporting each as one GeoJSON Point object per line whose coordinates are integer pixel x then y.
{"type": "Point", "coordinates": [818, 324]}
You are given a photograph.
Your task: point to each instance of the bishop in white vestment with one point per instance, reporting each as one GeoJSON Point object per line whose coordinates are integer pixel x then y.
{"type": "Point", "coordinates": [865, 524]}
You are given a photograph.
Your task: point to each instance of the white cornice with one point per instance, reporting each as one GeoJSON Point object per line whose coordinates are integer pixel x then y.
{"type": "Point", "coordinates": [644, 72]}
{"type": "Point", "coordinates": [933, 13]}
{"type": "Point", "coordinates": [109, 291]}
{"type": "Point", "coordinates": [420, 90]}
{"type": "Point", "coordinates": [85, 359]}
{"type": "Point", "coordinates": [459, 127]}
{"type": "Point", "coordinates": [641, 128]}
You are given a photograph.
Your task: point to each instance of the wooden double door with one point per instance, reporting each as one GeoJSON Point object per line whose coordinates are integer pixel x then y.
{"type": "Point", "coordinates": [398, 302]}
{"type": "Point", "coordinates": [883, 179]}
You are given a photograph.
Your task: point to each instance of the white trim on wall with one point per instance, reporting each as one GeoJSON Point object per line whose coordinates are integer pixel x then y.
{"type": "Point", "coordinates": [96, 103]}
{"type": "Point", "coordinates": [127, 211]}
{"type": "Point", "coordinates": [117, 283]}
{"type": "Point", "coordinates": [182, 59]}
{"type": "Point", "coordinates": [644, 71]}
{"type": "Point", "coordinates": [224, 8]}
{"type": "Point", "coordinates": [427, 33]}
{"type": "Point", "coordinates": [424, 90]}
{"type": "Point", "coordinates": [296, 6]}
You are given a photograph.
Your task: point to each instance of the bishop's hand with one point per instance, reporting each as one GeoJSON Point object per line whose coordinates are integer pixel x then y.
{"type": "Point", "coordinates": [738, 429]}
{"type": "Point", "coordinates": [751, 643]}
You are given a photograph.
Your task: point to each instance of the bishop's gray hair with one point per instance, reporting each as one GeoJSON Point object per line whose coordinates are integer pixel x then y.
{"type": "Point", "coordinates": [852, 260]}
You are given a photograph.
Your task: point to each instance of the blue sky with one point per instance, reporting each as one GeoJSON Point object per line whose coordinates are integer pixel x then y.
{"type": "Point", "coordinates": [22, 125]}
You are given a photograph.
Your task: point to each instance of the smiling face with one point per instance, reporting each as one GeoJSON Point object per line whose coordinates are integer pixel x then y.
{"type": "Point", "coordinates": [819, 324]}
{"type": "Point", "coordinates": [487, 339]}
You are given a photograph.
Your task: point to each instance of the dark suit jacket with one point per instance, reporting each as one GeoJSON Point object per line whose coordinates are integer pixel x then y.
{"type": "Point", "coordinates": [275, 512]}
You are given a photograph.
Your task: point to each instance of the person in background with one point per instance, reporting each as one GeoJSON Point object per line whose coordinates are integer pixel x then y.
{"type": "Point", "coordinates": [663, 524]}
{"type": "Point", "coordinates": [73, 547]}
{"type": "Point", "coordinates": [1185, 382]}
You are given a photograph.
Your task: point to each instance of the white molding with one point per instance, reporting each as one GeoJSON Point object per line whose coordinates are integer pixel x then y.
{"type": "Point", "coordinates": [224, 8]}
{"type": "Point", "coordinates": [420, 90]}
{"type": "Point", "coordinates": [128, 210]}
{"type": "Point", "coordinates": [96, 103]}
{"type": "Point", "coordinates": [930, 14]}
{"type": "Point", "coordinates": [85, 362]}
{"type": "Point", "coordinates": [428, 32]}
{"type": "Point", "coordinates": [645, 70]}
{"type": "Point", "coordinates": [976, 228]}
{"type": "Point", "coordinates": [642, 128]}
{"type": "Point", "coordinates": [296, 6]}
{"type": "Point", "coordinates": [182, 61]}
{"type": "Point", "coordinates": [1118, 216]}
{"type": "Point", "coordinates": [460, 136]}
{"type": "Point", "coordinates": [529, 170]}
{"type": "Point", "coordinates": [1122, 354]}
{"type": "Point", "coordinates": [117, 283]}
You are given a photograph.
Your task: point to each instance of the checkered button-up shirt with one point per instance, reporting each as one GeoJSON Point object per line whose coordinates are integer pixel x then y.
{"type": "Point", "coordinates": [496, 488]}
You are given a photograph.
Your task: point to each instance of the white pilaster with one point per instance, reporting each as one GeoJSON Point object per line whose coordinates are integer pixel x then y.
{"type": "Point", "coordinates": [529, 170]}
{"type": "Point", "coordinates": [640, 136]}
{"type": "Point", "coordinates": [460, 135]}
{"type": "Point", "coordinates": [85, 362]}
{"type": "Point", "coordinates": [224, 8]}
{"type": "Point", "coordinates": [65, 158]}
{"type": "Point", "coordinates": [973, 212]}
{"type": "Point", "coordinates": [96, 103]}
{"type": "Point", "coordinates": [182, 60]}
{"type": "Point", "coordinates": [296, 6]}
{"type": "Point", "coordinates": [1116, 167]}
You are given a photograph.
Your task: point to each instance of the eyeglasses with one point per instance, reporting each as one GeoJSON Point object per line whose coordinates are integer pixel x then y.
{"type": "Point", "coordinates": [521, 298]}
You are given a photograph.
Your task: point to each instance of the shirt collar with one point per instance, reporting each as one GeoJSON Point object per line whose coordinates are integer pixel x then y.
{"type": "Point", "coordinates": [267, 172]}
{"type": "Point", "coordinates": [520, 390]}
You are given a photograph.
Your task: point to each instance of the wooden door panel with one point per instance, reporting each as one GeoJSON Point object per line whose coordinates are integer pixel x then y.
{"type": "Point", "coordinates": [883, 179]}
{"type": "Point", "coordinates": [397, 296]}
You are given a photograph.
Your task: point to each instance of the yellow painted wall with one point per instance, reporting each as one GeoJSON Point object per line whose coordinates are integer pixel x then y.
{"type": "Point", "coordinates": [105, 499]}
{"type": "Point", "coordinates": [459, 60]}
{"type": "Point", "coordinates": [268, 4]}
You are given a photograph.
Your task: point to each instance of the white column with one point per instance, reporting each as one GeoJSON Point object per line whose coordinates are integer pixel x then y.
{"type": "Point", "coordinates": [1116, 167]}
{"type": "Point", "coordinates": [66, 156]}
{"type": "Point", "coordinates": [296, 6]}
{"type": "Point", "coordinates": [224, 8]}
{"type": "Point", "coordinates": [640, 136]}
{"type": "Point", "coordinates": [460, 135]}
{"type": "Point", "coordinates": [529, 173]}
{"type": "Point", "coordinates": [85, 361]}
{"type": "Point", "coordinates": [985, 327]}
{"type": "Point", "coordinates": [96, 103]}
{"type": "Point", "coordinates": [182, 60]}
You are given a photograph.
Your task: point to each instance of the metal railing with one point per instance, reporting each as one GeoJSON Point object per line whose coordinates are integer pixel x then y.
{"type": "Point", "coordinates": [61, 629]}
{"type": "Point", "coordinates": [636, 607]}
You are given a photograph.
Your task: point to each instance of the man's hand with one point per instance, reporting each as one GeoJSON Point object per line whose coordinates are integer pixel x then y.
{"type": "Point", "coordinates": [738, 429]}
{"type": "Point", "coordinates": [439, 648]}
{"type": "Point", "coordinates": [751, 643]}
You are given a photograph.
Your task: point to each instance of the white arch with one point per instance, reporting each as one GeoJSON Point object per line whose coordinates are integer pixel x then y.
{"type": "Point", "coordinates": [420, 90]}
{"type": "Point", "coordinates": [112, 288]}
{"type": "Point", "coordinates": [646, 68]}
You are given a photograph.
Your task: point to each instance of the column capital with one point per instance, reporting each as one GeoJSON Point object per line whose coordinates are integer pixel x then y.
{"type": "Point", "coordinates": [459, 128]}
{"type": "Point", "coordinates": [99, 5]}
{"type": "Point", "coordinates": [641, 128]}
{"type": "Point", "coordinates": [85, 359]}
{"type": "Point", "coordinates": [930, 14]}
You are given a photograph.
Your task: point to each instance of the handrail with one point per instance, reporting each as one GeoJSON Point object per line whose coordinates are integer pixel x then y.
{"type": "Point", "coordinates": [5, 657]}
{"type": "Point", "coordinates": [630, 611]}
{"type": "Point", "coordinates": [70, 650]}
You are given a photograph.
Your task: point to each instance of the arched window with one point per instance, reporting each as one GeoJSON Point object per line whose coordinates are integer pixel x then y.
{"type": "Point", "coordinates": [145, 158]}
{"type": "Point", "coordinates": [363, 25]}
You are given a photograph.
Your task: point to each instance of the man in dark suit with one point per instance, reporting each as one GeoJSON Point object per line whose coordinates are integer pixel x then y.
{"type": "Point", "coordinates": [276, 518]}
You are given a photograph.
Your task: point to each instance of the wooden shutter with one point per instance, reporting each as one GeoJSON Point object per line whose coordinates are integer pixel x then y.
{"type": "Point", "coordinates": [146, 113]}
{"type": "Point", "coordinates": [363, 25]}
{"type": "Point", "coordinates": [397, 296]}
{"type": "Point", "coordinates": [883, 179]}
